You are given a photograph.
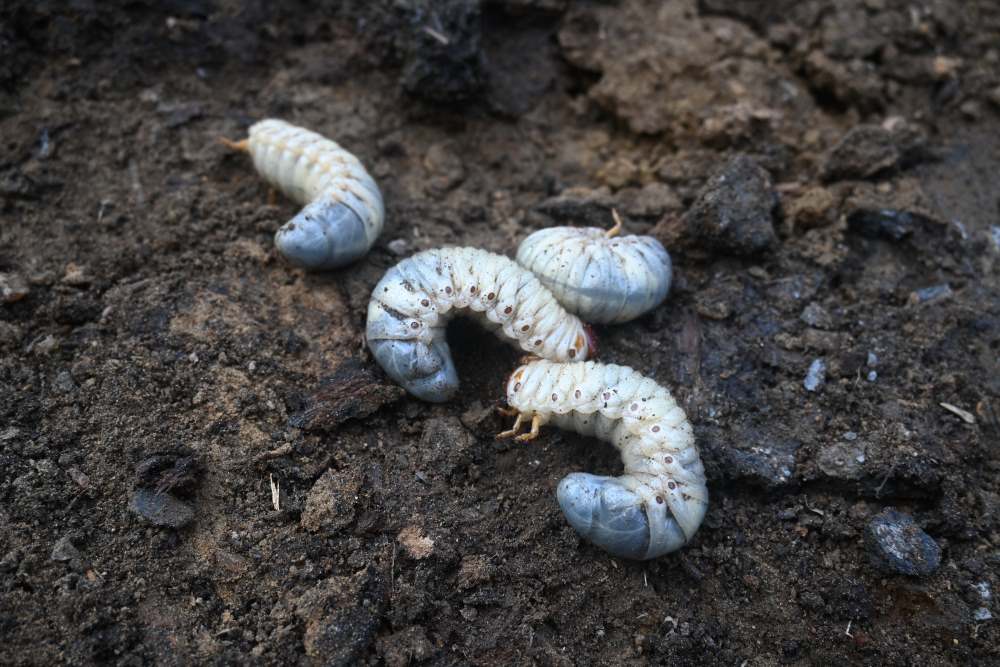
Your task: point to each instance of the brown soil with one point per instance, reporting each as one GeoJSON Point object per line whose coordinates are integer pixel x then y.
{"type": "Point", "coordinates": [153, 347]}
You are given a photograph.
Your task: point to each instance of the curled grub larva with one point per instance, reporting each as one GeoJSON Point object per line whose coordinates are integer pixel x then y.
{"type": "Point", "coordinates": [658, 504]}
{"type": "Point", "coordinates": [596, 274]}
{"type": "Point", "coordinates": [413, 302]}
{"type": "Point", "coordinates": [343, 212]}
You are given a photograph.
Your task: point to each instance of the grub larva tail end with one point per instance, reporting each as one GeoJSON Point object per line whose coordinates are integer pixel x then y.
{"type": "Point", "coordinates": [426, 372]}
{"type": "Point", "coordinates": [615, 518]}
{"type": "Point", "coordinates": [605, 513]}
{"type": "Point", "coordinates": [657, 506]}
{"type": "Point", "coordinates": [325, 235]}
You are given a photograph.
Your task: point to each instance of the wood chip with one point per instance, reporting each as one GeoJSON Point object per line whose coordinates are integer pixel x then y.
{"type": "Point", "coordinates": [965, 416]}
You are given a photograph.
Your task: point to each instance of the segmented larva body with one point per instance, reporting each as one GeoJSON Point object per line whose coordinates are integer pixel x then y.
{"type": "Point", "coordinates": [658, 504]}
{"type": "Point", "coordinates": [601, 277]}
{"type": "Point", "coordinates": [343, 212]}
{"type": "Point", "coordinates": [411, 305]}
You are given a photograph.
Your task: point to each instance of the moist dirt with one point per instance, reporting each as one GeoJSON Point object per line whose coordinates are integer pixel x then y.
{"type": "Point", "coordinates": [200, 462]}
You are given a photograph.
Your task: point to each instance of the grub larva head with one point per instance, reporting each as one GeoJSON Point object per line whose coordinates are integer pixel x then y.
{"type": "Point", "coordinates": [326, 234]}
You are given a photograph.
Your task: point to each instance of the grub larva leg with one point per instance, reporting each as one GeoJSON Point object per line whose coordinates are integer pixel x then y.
{"type": "Point", "coordinates": [512, 431]}
{"type": "Point", "coordinates": [658, 504]}
{"type": "Point", "coordinates": [617, 228]}
{"type": "Point", "coordinates": [243, 145]}
{"type": "Point", "coordinates": [536, 424]}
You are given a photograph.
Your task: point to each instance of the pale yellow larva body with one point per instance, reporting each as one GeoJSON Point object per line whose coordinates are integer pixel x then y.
{"type": "Point", "coordinates": [602, 277]}
{"type": "Point", "coordinates": [413, 302]}
{"type": "Point", "coordinates": [344, 212]}
{"type": "Point", "coordinates": [657, 505]}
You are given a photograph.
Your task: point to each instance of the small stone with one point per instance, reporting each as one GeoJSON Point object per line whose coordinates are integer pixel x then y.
{"type": "Point", "coordinates": [45, 345]}
{"type": "Point", "coordinates": [816, 315]}
{"type": "Point", "coordinates": [816, 376]}
{"type": "Point", "coordinates": [63, 551]}
{"type": "Point", "coordinates": [161, 509]}
{"type": "Point", "coordinates": [12, 288]}
{"type": "Point", "coordinates": [398, 247]}
{"type": "Point", "coordinates": [931, 294]}
{"type": "Point", "coordinates": [896, 544]}
{"type": "Point", "coordinates": [770, 466]}
{"type": "Point", "coordinates": [416, 544]}
{"type": "Point", "coordinates": [984, 590]}
{"type": "Point", "coordinates": [734, 212]}
{"type": "Point", "coordinates": [892, 212]}
{"type": "Point", "coordinates": [80, 477]}
{"type": "Point", "coordinates": [982, 614]}
{"type": "Point", "coordinates": [64, 382]}
{"type": "Point", "coordinates": [842, 460]}
{"type": "Point", "coordinates": [75, 275]}
{"type": "Point", "coordinates": [331, 503]}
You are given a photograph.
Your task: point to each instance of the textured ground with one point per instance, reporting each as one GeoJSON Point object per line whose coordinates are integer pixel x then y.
{"type": "Point", "coordinates": [153, 349]}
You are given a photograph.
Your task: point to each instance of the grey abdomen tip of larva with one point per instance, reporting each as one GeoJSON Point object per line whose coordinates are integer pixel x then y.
{"type": "Point", "coordinates": [606, 513]}
{"type": "Point", "coordinates": [326, 234]}
{"type": "Point", "coordinates": [426, 371]}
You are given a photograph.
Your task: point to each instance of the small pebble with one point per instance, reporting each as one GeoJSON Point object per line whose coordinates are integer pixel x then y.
{"type": "Point", "coordinates": [398, 247]}
{"type": "Point", "coordinates": [816, 376]}
{"type": "Point", "coordinates": [982, 614]}
{"type": "Point", "coordinates": [984, 590]}
{"type": "Point", "coordinates": [734, 212]}
{"type": "Point", "coordinates": [895, 543]}
{"type": "Point", "coordinates": [161, 509]}
{"type": "Point", "coordinates": [75, 275]}
{"type": "Point", "coordinates": [64, 551]}
{"type": "Point", "coordinates": [12, 288]}
{"type": "Point", "coordinates": [816, 316]}
{"type": "Point", "coordinates": [930, 294]}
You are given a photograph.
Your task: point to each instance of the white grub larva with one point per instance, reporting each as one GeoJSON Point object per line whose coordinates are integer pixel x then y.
{"type": "Point", "coordinates": [600, 276]}
{"type": "Point", "coordinates": [343, 212]}
{"type": "Point", "coordinates": [658, 504]}
{"type": "Point", "coordinates": [411, 305]}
